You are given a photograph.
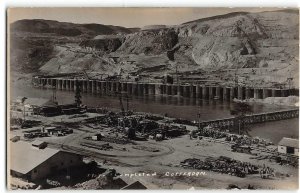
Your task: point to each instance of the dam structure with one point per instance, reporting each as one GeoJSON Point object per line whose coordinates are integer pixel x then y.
{"type": "Point", "coordinates": [199, 91]}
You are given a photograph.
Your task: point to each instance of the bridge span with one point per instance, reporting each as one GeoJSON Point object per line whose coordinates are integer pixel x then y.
{"type": "Point", "coordinates": [233, 122]}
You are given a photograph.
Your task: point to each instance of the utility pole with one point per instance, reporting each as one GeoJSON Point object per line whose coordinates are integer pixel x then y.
{"type": "Point", "coordinates": [199, 115]}
{"type": "Point", "coordinates": [24, 113]}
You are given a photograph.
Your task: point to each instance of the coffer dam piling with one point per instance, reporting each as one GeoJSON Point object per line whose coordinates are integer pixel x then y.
{"type": "Point", "coordinates": [184, 101]}
{"type": "Point", "coordinates": [181, 90]}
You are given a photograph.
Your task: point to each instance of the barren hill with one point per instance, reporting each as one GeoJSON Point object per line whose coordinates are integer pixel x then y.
{"type": "Point", "coordinates": [262, 48]}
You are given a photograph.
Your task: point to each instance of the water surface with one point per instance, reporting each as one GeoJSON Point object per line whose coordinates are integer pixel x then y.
{"type": "Point", "coordinates": [173, 106]}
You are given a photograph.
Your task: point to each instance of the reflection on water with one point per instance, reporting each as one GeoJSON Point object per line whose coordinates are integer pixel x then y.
{"type": "Point", "coordinates": [276, 130]}
{"type": "Point", "coordinates": [178, 107]}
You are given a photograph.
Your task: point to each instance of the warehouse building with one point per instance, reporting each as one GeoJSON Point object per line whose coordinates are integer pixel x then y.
{"type": "Point", "coordinates": [32, 161]}
{"type": "Point", "coordinates": [288, 146]}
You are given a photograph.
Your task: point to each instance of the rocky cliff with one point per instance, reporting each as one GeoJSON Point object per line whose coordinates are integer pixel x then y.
{"type": "Point", "coordinates": [260, 47]}
{"type": "Point", "coordinates": [149, 42]}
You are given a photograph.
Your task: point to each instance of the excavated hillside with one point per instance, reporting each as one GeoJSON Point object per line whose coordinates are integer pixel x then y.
{"type": "Point", "coordinates": [33, 42]}
{"type": "Point", "coordinates": [149, 42]}
{"type": "Point", "coordinates": [261, 48]}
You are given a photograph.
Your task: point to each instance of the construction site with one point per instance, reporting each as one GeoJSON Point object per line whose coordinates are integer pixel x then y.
{"type": "Point", "coordinates": [211, 103]}
{"type": "Point", "coordinates": [132, 142]}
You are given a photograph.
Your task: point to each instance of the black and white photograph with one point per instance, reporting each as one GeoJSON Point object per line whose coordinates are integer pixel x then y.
{"type": "Point", "coordinates": [148, 98]}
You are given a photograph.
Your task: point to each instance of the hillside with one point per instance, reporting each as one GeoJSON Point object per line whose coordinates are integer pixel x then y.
{"type": "Point", "coordinates": [33, 42]}
{"type": "Point", "coordinates": [65, 28]}
{"type": "Point", "coordinates": [262, 48]}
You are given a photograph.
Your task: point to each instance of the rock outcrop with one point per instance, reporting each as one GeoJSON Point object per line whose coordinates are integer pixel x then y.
{"type": "Point", "coordinates": [149, 42]}
{"type": "Point", "coordinates": [104, 44]}
{"type": "Point", "coordinates": [265, 41]}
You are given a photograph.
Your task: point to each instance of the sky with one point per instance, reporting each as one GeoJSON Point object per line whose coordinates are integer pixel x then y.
{"type": "Point", "coordinates": [126, 17]}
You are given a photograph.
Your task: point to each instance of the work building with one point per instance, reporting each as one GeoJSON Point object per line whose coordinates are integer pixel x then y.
{"type": "Point", "coordinates": [33, 161]}
{"type": "Point", "coordinates": [50, 108]}
{"type": "Point", "coordinates": [288, 146]}
{"type": "Point", "coordinates": [45, 107]}
{"type": "Point", "coordinates": [27, 104]}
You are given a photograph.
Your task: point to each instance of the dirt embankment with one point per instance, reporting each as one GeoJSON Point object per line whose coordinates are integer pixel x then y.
{"type": "Point", "coordinates": [292, 101]}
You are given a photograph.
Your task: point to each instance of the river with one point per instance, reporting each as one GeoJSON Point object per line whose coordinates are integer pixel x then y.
{"type": "Point", "coordinates": [185, 108]}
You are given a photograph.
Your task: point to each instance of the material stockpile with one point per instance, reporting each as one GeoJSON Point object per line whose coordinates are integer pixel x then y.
{"type": "Point", "coordinates": [101, 182]}
{"type": "Point", "coordinates": [30, 123]}
{"type": "Point", "coordinates": [238, 139]}
{"type": "Point", "coordinates": [53, 183]}
{"type": "Point", "coordinates": [47, 131]}
{"type": "Point", "coordinates": [154, 117]}
{"type": "Point", "coordinates": [213, 133]}
{"type": "Point", "coordinates": [147, 126]}
{"type": "Point", "coordinates": [97, 110]}
{"type": "Point", "coordinates": [286, 160]}
{"type": "Point", "coordinates": [246, 140]}
{"type": "Point", "coordinates": [106, 180]}
{"type": "Point", "coordinates": [226, 165]}
{"type": "Point", "coordinates": [18, 183]}
{"type": "Point", "coordinates": [175, 131]}
{"type": "Point", "coordinates": [97, 183]}
{"type": "Point", "coordinates": [131, 121]}
{"type": "Point", "coordinates": [150, 127]}
{"type": "Point", "coordinates": [168, 131]}
{"type": "Point", "coordinates": [184, 122]}
{"type": "Point", "coordinates": [110, 120]}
